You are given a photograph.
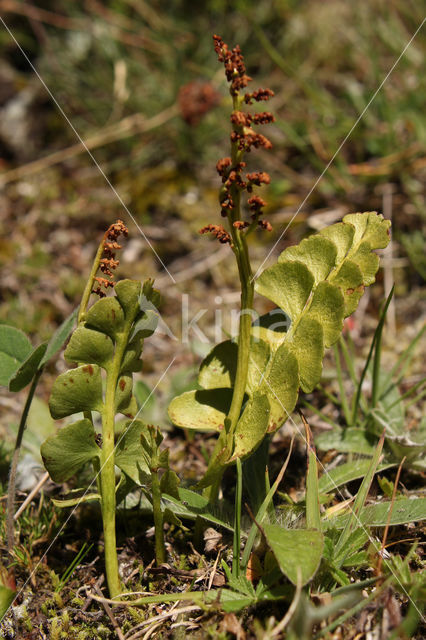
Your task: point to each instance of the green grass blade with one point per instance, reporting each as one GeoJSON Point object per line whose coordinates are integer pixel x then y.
{"type": "Point", "coordinates": [263, 510]}
{"type": "Point", "coordinates": [313, 516]}
{"type": "Point", "coordinates": [370, 354]}
{"type": "Point", "coordinates": [378, 352]}
{"type": "Point", "coordinates": [361, 497]}
{"type": "Point", "coordinates": [343, 398]}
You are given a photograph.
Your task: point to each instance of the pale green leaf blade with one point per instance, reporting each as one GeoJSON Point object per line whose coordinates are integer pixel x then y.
{"type": "Point", "coordinates": [341, 235]}
{"type": "Point", "coordinates": [14, 349]}
{"type": "Point", "coordinates": [316, 252]}
{"type": "Point", "coordinates": [28, 369]}
{"type": "Point", "coordinates": [204, 409]}
{"type": "Point", "coordinates": [307, 345]}
{"type": "Point", "coordinates": [288, 285]}
{"type": "Point", "coordinates": [349, 440]}
{"type": "Point", "coordinates": [128, 293]}
{"type": "Point", "coordinates": [252, 426]}
{"type": "Point", "coordinates": [90, 347]}
{"type": "Point", "coordinates": [259, 357]}
{"type": "Point", "coordinates": [350, 281]}
{"type": "Point", "coordinates": [75, 498]}
{"type": "Point", "coordinates": [76, 390]}
{"type": "Point", "coordinates": [281, 385]}
{"type": "Point", "coordinates": [123, 392]}
{"type": "Point", "coordinates": [327, 307]}
{"type": "Point", "coordinates": [370, 227]}
{"type": "Point", "coordinates": [404, 511]}
{"type": "Point", "coordinates": [129, 454]}
{"type": "Point", "coordinates": [347, 472]}
{"type": "Point", "coordinates": [294, 549]}
{"type": "Point", "coordinates": [107, 316]}
{"type": "Point", "coordinates": [7, 596]}
{"type": "Point", "coordinates": [59, 337]}
{"type": "Point", "coordinates": [66, 452]}
{"type": "Point", "coordinates": [218, 368]}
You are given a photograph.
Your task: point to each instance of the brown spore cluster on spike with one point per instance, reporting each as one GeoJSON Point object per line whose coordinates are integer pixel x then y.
{"type": "Point", "coordinates": [243, 139]}
{"type": "Point", "coordinates": [109, 263]}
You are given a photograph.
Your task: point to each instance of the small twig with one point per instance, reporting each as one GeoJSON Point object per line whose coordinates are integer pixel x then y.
{"type": "Point", "coordinates": [213, 571]}
{"type": "Point", "coordinates": [292, 608]}
{"type": "Point", "coordinates": [161, 617]}
{"type": "Point", "coordinates": [89, 598]}
{"type": "Point", "coordinates": [110, 615]}
{"type": "Point", "coordinates": [31, 495]}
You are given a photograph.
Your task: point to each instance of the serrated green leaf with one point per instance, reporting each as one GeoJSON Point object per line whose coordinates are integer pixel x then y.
{"type": "Point", "coordinates": [65, 453]}
{"type": "Point", "coordinates": [14, 350]}
{"type": "Point", "coordinates": [204, 409]}
{"type": "Point", "coordinates": [369, 227]}
{"type": "Point", "coordinates": [295, 548]}
{"type": "Point", "coordinates": [107, 316]}
{"type": "Point", "coordinates": [129, 452]}
{"type": "Point", "coordinates": [76, 390]}
{"type": "Point", "coordinates": [218, 368]}
{"type": "Point", "coordinates": [316, 252]}
{"type": "Point", "coordinates": [28, 369]}
{"type": "Point", "coordinates": [90, 347]}
{"type": "Point", "coordinates": [252, 426]}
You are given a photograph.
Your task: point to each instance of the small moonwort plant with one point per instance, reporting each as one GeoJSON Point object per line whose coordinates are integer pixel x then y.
{"type": "Point", "coordinates": [106, 346]}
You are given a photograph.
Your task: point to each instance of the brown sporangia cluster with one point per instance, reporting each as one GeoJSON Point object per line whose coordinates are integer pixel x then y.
{"type": "Point", "coordinates": [109, 263]}
{"type": "Point", "coordinates": [243, 139]}
{"type": "Point", "coordinates": [195, 99]}
{"type": "Point", "coordinates": [218, 231]}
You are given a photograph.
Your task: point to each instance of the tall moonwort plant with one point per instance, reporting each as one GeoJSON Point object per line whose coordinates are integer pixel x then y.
{"type": "Point", "coordinates": [250, 385]}
{"type": "Point", "coordinates": [106, 346]}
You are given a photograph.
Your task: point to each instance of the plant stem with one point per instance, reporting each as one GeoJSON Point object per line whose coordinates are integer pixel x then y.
{"type": "Point", "coordinates": [160, 552]}
{"type": "Point", "coordinates": [91, 279]}
{"type": "Point", "coordinates": [14, 465]}
{"type": "Point", "coordinates": [108, 500]}
{"type": "Point", "coordinates": [237, 522]}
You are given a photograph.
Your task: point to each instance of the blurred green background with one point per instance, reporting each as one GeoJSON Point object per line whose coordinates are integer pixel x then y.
{"type": "Point", "coordinates": [140, 83]}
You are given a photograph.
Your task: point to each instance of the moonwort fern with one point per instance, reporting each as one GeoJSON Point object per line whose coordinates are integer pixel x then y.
{"type": "Point", "coordinates": [316, 284]}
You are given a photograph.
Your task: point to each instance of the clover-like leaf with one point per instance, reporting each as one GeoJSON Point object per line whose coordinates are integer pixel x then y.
{"type": "Point", "coordinates": [14, 350]}
{"type": "Point", "coordinates": [203, 409]}
{"type": "Point", "coordinates": [107, 316]}
{"type": "Point", "coordinates": [66, 452]}
{"type": "Point", "coordinates": [76, 390]}
{"type": "Point", "coordinates": [219, 366]}
{"type": "Point", "coordinates": [28, 369]}
{"type": "Point", "coordinates": [295, 549]}
{"type": "Point", "coordinates": [252, 426]}
{"type": "Point", "coordinates": [128, 293]}
{"type": "Point", "coordinates": [90, 347]}
{"type": "Point", "coordinates": [123, 393]}
{"type": "Point", "coordinates": [129, 452]}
